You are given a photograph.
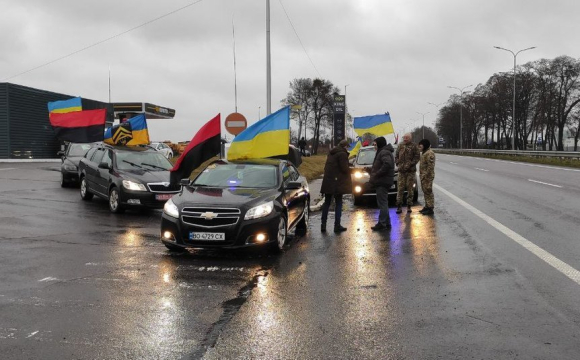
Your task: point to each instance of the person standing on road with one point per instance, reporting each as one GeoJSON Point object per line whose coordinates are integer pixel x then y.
{"type": "Point", "coordinates": [427, 175]}
{"type": "Point", "coordinates": [302, 146]}
{"type": "Point", "coordinates": [406, 158]}
{"type": "Point", "coordinates": [335, 183]}
{"type": "Point", "coordinates": [382, 177]}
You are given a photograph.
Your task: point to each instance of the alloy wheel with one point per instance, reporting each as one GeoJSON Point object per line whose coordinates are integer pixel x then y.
{"type": "Point", "coordinates": [282, 233]}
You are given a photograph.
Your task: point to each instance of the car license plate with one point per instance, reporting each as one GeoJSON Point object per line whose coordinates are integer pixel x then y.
{"type": "Point", "coordinates": [204, 236]}
{"type": "Point", "coordinates": [163, 196]}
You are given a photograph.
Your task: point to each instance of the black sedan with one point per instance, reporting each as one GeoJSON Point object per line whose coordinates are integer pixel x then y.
{"type": "Point", "coordinates": [126, 177]}
{"type": "Point", "coordinates": [238, 204]}
{"type": "Point", "coordinates": [69, 169]}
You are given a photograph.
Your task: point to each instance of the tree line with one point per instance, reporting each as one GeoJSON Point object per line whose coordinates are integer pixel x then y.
{"type": "Point", "coordinates": [547, 104]}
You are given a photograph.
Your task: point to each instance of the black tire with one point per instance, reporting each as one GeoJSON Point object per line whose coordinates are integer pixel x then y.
{"type": "Point", "coordinates": [85, 193]}
{"type": "Point", "coordinates": [358, 200]}
{"type": "Point", "coordinates": [175, 248]}
{"type": "Point", "coordinates": [63, 181]}
{"type": "Point", "coordinates": [115, 201]}
{"type": "Point", "coordinates": [302, 227]}
{"type": "Point", "coordinates": [281, 238]}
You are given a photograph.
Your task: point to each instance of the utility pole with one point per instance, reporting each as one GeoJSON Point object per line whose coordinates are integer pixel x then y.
{"type": "Point", "coordinates": [461, 91]}
{"type": "Point", "coordinates": [423, 122]}
{"type": "Point", "coordinates": [514, 103]}
{"type": "Point", "coordinates": [268, 62]}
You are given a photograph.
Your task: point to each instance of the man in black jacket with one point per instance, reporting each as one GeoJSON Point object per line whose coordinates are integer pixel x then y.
{"type": "Point", "coordinates": [382, 175]}
{"type": "Point", "coordinates": [335, 183]}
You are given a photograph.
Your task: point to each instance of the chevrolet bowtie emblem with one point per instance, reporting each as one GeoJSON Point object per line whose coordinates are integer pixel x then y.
{"type": "Point", "coordinates": [208, 215]}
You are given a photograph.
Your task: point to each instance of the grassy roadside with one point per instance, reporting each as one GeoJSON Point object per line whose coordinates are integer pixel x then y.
{"type": "Point", "coordinates": [528, 159]}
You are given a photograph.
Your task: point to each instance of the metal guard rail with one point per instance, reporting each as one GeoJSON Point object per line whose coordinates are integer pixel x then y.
{"type": "Point", "coordinates": [531, 153]}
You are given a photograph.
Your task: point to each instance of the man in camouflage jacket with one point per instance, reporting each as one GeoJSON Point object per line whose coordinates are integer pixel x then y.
{"type": "Point", "coordinates": [406, 158]}
{"type": "Point", "coordinates": [427, 175]}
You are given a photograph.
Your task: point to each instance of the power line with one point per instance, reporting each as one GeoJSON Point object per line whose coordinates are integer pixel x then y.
{"type": "Point", "coordinates": [105, 40]}
{"type": "Point", "coordinates": [296, 33]}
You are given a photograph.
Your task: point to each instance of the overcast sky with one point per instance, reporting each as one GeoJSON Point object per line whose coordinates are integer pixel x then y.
{"type": "Point", "coordinates": [395, 56]}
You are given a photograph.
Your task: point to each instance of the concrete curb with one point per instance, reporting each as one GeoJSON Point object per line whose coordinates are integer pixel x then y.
{"type": "Point", "coordinates": [30, 160]}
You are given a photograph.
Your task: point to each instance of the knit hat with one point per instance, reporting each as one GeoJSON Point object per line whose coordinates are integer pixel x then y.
{"type": "Point", "coordinates": [381, 142]}
{"type": "Point", "coordinates": [426, 144]}
{"type": "Point", "coordinates": [343, 143]}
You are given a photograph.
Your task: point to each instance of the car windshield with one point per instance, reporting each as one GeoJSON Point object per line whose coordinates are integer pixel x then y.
{"type": "Point", "coordinates": [78, 149]}
{"type": "Point", "coordinates": [366, 157]}
{"type": "Point", "coordinates": [149, 160]}
{"type": "Point", "coordinates": [238, 175]}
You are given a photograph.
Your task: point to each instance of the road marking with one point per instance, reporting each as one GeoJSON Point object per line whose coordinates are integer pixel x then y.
{"type": "Point", "coordinates": [454, 163]}
{"type": "Point", "coordinates": [8, 169]}
{"type": "Point", "coordinates": [545, 183]}
{"type": "Point", "coordinates": [481, 169]}
{"type": "Point", "coordinates": [550, 259]}
{"type": "Point", "coordinates": [32, 334]}
{"type": "Point", "coordinates": [48, 279]}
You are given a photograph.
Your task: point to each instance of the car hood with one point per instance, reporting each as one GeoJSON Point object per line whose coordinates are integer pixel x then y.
{"type": "Point", "coordinates": [213, 196]}
{"type": "Point", "coordinates": [73, 159]}
{"type": "Point", "coordinates": [145, 176]}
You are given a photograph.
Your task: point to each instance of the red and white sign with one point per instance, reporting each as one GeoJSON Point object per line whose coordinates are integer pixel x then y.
{"type": "Point", "coordinates": [236, 123]}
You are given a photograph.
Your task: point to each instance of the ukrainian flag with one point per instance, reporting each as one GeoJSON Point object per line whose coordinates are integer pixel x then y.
{"type": "Point", "coordinates": [375, 124]}
{"type": "Point", "coordinates": [132, 132]}
{"type": "Point", "coordinates": [266, 138]}
{"type": "Point", "coordinates": [65, 106]}
{"type": "Point", "coordinates": [355, 147]}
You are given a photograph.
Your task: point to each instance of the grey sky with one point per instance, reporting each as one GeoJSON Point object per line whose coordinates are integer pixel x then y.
{"type": "Point", "coordinates": [395, 55]}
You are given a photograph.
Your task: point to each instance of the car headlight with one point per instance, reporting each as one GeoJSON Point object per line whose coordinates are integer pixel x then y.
{"type": "Point", "coordinates": [360, 174]}
{"type": "Point", "coordinates": [132, 185]}
{"type": "Point", "coordinates": [69, 167]}
{"type": "Point", "coordinates": [171, 209]}
{"type": "Point", "coordinates": [259, 211]}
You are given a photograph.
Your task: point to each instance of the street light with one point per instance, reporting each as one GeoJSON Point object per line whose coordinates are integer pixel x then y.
{"type": "Point", "coordinates": [514, 104]}
{"type": "Point", "coordinates": [423, 122]}
{"type": "Point", "coordinates": [460, 113]}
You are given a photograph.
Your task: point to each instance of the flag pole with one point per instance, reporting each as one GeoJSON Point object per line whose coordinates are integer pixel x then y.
{"type": "Point", "coordinates": [235, 73]}
{"type": "Point", "coordinates": [268, 62]}
{"type": "Point", "coordinates": [109, 83]}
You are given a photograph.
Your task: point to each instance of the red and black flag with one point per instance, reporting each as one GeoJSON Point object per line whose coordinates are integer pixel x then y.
{"type": "Point", "coordinates": [204, 145]}
{"type": "Point", "coordinates": [79, 126]}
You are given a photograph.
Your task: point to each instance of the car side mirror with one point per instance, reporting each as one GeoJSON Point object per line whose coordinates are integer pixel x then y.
{"type": "Point", "coordinates": [294, 185]}
{"type": "Point", "coordinates": [104, 165]}
{"type": "Point", "coordinates": [185, 182]}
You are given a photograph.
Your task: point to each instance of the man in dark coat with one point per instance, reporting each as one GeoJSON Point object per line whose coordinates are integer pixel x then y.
{"type": "Point", "coordinates": [335, 183]}
{"type": "Point", "coordinates": [382, 177]}
{"type": "Point", "coordinates": [302, 146]}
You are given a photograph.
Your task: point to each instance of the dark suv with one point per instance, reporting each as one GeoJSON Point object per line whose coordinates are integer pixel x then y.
{"type": "Point", "coordinates": [126, 177]}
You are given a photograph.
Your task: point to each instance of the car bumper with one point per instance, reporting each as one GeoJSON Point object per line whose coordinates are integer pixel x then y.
{"type": "Point", "coordinates": [142, 199]}
{"type": "Point", "coordinates": [70, 175]}
{"type": "Point", "coordinates": [242, 234]}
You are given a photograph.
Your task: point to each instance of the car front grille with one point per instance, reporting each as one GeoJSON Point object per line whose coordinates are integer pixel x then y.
{"type": "Point", "coordinates": [162, 188]}
{"type": "Point", "coordinates": [210, 217]}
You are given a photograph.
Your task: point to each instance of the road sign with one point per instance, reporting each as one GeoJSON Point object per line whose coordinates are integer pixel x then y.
{"type": "Point", "coordinates": [236, 123]}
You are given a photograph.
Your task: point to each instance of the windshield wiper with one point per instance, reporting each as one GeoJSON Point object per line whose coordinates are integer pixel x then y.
{"type": "Point", "coordinates": [154, 166]}
{"type": "Point", "coordinates": [133, 164]}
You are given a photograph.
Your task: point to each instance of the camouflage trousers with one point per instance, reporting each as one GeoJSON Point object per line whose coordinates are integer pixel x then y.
{"type": "Point", "coordinates": [427, 187]}
{"type": "Point", "coordinates": [405, 182]}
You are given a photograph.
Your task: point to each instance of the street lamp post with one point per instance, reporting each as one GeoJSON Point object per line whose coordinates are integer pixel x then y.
{"type": "Point", "coordinates": [514, 103]}
{"type": "Point", "coordinates": [345, 108]}
{"type": "Point", "coordinates": [423, 122]}
{"type": "Point", "coordinates": [461, 91]}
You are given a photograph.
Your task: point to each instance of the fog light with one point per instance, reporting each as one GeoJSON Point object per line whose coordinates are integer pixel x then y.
{"type": "Point", "coordinates": [260, 237]}
{"type": "Point", "coordinates": [357, 189]}
{"type": "Point", "coordinates": [167, 235]}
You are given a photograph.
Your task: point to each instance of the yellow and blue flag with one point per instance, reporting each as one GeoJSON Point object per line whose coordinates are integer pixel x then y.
{"type": "Point", "coordinates": [267, 138]}
{"type": "Point", "coordinates": [131, 132]}
{"type": "Point", "coordinates": [355, 147]}
{"type": "Point", "coordinates": [65, 106]}
{"type": "Point", "coordinates": [375, 124]}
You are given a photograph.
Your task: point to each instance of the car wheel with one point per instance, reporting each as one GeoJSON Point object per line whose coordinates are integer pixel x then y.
{"type": "Point", "coordinates": [115, 201]}
{"type": "Point", "coordinates": [85, 193]}
{"type": "Point", "coordinates": [170, 155]}
{"type": "Point", "coordinates": [282, 234]}
{"type": "Point", "coordinates": [63, 182]}
{"type": "Point", "coordinates": [302, 226]}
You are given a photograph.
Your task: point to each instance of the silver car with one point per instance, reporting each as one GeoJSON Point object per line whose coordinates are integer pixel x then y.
{"type": "Point", "coordinates": [162, 148]}
{"type": "Point", "coordinates": [360, 177]}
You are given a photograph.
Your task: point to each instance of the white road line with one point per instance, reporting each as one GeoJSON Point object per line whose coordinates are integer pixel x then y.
{"type": "Point", "coordinates": [481, 169]}
{"type": "Point", "coordinates": [50, 278]}
{"type": "Point", "coordinates": [8, 169]}
{"type": "Point", "coordinates": [545, 183]}
{"type": "Point", "coordinates": [32, 334]}
{"type": "Point", "coordinates": [550, 259]}
{"type": "Point", "coordinates": [454, 163]}
{"type": "Point", "coordinates": [518, 163]}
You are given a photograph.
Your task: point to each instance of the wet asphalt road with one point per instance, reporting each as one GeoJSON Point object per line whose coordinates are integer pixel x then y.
{"type": "Point", "coordinates": [80, 283]}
